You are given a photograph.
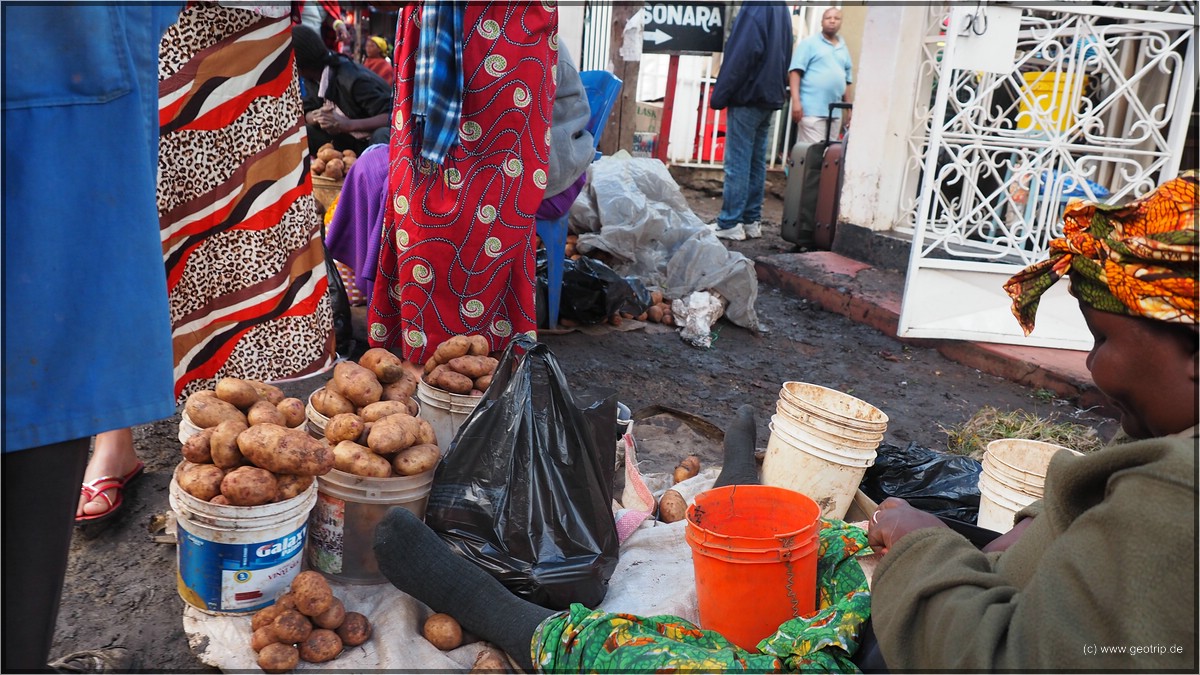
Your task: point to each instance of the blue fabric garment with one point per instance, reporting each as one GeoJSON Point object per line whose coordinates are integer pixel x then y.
{"type": "Point", "coordinates": [827, 71]}
{"type": "Point", "coordinates": [87, 334]}
{"type": "Point", "coordinates": [746, 132]}
{"type": "Point", "coordinates": [754, 67]}
{"type": "Point", "coordinates": [437, 92]}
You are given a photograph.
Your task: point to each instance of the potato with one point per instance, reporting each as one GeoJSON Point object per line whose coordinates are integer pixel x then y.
{"type": "Point", "coordinates": [332, 617]}
{"type": "Point", "coordinates": [656, 297]}
{"type": "Point", "coordinates": [312, 593]}
{"type": "Point", "coordinates": [446, 379]}
{"type": "Point", "coordinates": [490, 660]}
{"type": "Point", "coordinates": [457, 346]}
{"type": "Point", "coordinates": [292, 410]}
{"type": "Point", "coordinates": [417, 459]}
{"type": "Point", "coordinates": [387, 366]}
{"type": "Point", "coordinates": [268, 391]}
{"type": "Point", "coordinates": [291, 627]}
{"type": "Point", "coordinates": [317, 166]}
{"type": "Point", "coordinates": [344, 427]}
{"type": "Point", "coordinates": [326, 154]}
{"type": "Point", "coordinates": [196, 448]}
{"type": "Point", "coordinates": [261, 637]}
{"type": "Point", "coordinates": [482, 383]}
{"type": "Point", "coordinates": [479, 346]}
{"type": "Point", "coordinates": [205, 410]}
{"type": "Point", "coordinates": [290, 486]}
{"type": "Point", "coordinates": [237, 391]}
{"type": "Point", "coordinates": [278, 658]}
{"type": "Point", "coordinates": [265, 412]}
{"type": "Point", "coordinates": [402, 389]}
{"type": "Point", "coordinates": [425, 433]}
{"type": "Point", "coordinates": [223, 446]}
{"type": "Point", "coordinates": [220, 500]}
{"type": "Point", "coordinates": [348, 153]}
{"type": "Point", "coordinates": [249, 486]}
{"type": "Point", "coordinates": [672, 507]}
{"type": "Point", "coordinates": [443, 632]}
{"type": "Point", "coordinates": [380, 409]}
{"type": "Point", "coordinates": [473, 366]}
{"type": "Point", "coordinates": [266, 615]}
{"type": "Point", "coordinates": [430, 365]}
{"type": "Point", "coordinates": [353, 458]}
{"type": "Point", "coordinates": [282, 450]}
{"type": "Point", "coordinates": [393, 434]}
{"type": "Point", "coordinates": [286, 601]}
{"type": "Point", "coordinates": [330, 403]}
{"type": "Point", "coordinates": [355, 629]}
{"type": "Point", "coordinates": [688, 466]}
{"type": "Point", "coordinates": [321, 646]}
{"type": "Point", "coordinates": [202, 481]}
{"type": "Point", "coordinates": [655, 313]}
{"type": "Point", "coordinates": [335, 169]}
{"type": "Point", "coordinates": [357, 384]}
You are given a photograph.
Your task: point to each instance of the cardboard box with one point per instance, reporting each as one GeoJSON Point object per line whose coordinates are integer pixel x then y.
{"type": "Point", "coordinates": [644, 144]}
{"type": "Point", "coordinates": [647, 117]}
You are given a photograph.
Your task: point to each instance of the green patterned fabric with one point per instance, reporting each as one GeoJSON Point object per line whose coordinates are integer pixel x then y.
{"type": "Point", "coordinates": [583, 640]}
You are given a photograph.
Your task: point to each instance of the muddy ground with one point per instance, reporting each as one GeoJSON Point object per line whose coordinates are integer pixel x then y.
{"type": "Point", "coordinates": [120, 587]}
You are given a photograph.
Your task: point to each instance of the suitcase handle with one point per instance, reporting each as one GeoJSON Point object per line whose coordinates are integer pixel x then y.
{"type": "Point", "coordinates": [829, 120]}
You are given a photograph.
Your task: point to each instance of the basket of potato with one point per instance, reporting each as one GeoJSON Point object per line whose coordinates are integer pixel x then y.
{"type": "Point", "coordinates": [308, 623]}
{"type": "Point", "coordinates": [328, 170]}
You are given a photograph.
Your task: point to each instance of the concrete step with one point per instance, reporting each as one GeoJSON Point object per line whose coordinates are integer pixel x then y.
{"type": "Point", "coordinates": [872, 296]}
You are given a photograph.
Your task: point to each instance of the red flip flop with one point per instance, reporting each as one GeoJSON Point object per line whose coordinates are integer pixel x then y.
{"type": "Point", "coordinates": [99, 488]}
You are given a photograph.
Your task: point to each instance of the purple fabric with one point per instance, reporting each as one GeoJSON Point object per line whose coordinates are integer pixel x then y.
{"type": "Point", "coordinates": [553, 208]}
{"type": "Point", "coordinates": [354, 232]}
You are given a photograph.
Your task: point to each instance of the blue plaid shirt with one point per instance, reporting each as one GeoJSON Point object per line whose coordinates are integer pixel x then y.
{"type": "Point", "coordinates": [437, 98]}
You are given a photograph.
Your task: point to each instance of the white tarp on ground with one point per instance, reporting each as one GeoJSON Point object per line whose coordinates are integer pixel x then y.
{"type": "Point", "coordinates": [654, 576]}
{"type": "Point", "coordinates": [633, 209]}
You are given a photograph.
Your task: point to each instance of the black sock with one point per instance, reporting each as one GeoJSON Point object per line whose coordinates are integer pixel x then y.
{"type": "Point", "coordinates": [418, 562]}
{"type": "Point", "coordinates": [740, 467]}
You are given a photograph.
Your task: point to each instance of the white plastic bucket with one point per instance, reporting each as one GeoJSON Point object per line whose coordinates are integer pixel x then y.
{"type": "Point", "coordinates": [828, 476]}
{"type": "Point", "coordinates": [187, 429]}
{"type": "Point", "coordinates": [315, 421]}
{"type": "Point", "coordinates": [835, 406]}
{"type": "Point", "coordinates": [1013, 476]}
{"type": "Point", "coordinates": [444, 411]}
{"type": "Point", "coordinates": [819, 438]}
{"type": "Point", "coordinates": [342, 525]}
{"type": "Point", "coordinates": [238, 559]}
{"type": "Point", "coordinates": [808, 419]}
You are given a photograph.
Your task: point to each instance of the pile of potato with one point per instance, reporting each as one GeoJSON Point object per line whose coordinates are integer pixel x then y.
{"type": "Point", "coordinates": [672, 506]}
{"type": "Point", "coordinates": [444, 632]}
{"type": "Point", "coordinates": [333, 163]}
{"type": "Point", "coordinates": [461, 365]}
{"type": "Point", "coordinates": [373, 427]}
{"type": "Point", "coordinates": [308, 622]}
{"type": "Point", "coordinates": [249, 450]}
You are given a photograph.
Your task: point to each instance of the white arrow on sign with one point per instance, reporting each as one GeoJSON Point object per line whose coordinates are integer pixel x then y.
{"type": "Point", "coordinates": [657, 36]}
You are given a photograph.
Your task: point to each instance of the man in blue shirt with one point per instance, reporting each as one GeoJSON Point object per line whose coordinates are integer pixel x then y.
{"type": "Point", "coordinates": [820, 74]}
{"type": "Point", "coordinates": [751, 84]}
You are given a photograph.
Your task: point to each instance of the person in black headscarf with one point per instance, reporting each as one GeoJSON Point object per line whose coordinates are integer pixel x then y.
{"type": "Point", "coordinates": [344, 102]}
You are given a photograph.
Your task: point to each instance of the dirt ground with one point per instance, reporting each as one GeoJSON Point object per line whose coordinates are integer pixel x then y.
{"type": "Point", "coordinates": [120, 587]}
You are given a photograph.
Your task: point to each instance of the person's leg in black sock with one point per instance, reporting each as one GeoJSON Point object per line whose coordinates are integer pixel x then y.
{"type": "Point", "coordinates": [418, 562]}
{"type": "Point", "coordinates": [740, 467]}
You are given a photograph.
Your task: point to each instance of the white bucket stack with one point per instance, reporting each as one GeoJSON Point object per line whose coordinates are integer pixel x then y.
{"type": "Point", "coordinates": [1013, 477]}
{"type": "Point", "coordinates": [822, 442]}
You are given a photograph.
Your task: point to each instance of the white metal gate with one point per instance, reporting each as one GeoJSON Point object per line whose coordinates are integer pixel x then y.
{"type": "Point", "coordinates": [1095, 104]}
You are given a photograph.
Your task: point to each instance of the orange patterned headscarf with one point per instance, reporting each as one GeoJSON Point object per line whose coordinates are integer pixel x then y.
{"type": "Point", "coordinates": [1138, 259]}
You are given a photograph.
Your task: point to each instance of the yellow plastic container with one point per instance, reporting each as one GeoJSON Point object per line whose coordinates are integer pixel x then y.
{"type": "Point", "coordinates": [1054, 96]}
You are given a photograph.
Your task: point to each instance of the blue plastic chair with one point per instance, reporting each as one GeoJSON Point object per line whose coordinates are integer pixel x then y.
{"type": "Point", "coordinates": [603, 89]}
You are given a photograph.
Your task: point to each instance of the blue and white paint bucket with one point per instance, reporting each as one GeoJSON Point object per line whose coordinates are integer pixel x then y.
{"type": "Point", "coordinates": [238, 559]}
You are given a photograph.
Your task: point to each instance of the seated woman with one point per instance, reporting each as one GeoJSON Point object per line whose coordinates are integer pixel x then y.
{"type": "Point", "coordinates": [1099, 575]}
{"type": "Point", "coordinates": [344, 102]}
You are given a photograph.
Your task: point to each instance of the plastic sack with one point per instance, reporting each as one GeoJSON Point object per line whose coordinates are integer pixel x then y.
{"type": "Point", "coordinates": [934, 482]}
{"type": "Point", "coordinates": [592, 292]}
{"type": "Point", "coordinates": [525, 491]}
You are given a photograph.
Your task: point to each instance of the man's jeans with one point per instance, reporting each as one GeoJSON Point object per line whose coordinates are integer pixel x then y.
{"type": "Point", "coordinates": [746, 131]}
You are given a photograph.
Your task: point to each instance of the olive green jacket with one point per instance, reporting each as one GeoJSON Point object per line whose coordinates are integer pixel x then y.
{"type": "Point", "coordinates": [1108, 564]}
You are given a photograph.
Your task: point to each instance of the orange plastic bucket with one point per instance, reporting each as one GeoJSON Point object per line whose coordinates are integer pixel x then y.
{"type": "Point", "coordinates": [754, 549]}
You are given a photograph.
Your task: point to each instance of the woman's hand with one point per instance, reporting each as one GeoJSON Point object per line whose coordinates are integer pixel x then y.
{"type": "Point", "coordinates": [894, 519]}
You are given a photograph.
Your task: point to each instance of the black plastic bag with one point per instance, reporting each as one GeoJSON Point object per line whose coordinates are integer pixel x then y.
{"type": "Point", "coordinates": [339, 300]}
{"type": "Point", "coordinates": [593, 291]}
{"type": "Point", "coordinates": [934, 482]}
{"type": "Point", "coordinates": [525, 490]}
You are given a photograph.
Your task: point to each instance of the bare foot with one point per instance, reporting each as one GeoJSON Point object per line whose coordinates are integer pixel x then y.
{"type": "Point", "coordinates": [113, 456]}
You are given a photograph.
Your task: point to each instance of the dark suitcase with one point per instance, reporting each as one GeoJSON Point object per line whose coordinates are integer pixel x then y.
{"type": "Point", "coordinates": [813, 169]}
